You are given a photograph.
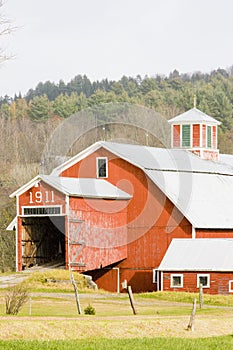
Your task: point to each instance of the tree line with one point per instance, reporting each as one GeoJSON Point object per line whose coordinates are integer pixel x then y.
{"type": "Point", "coordinates": [167, 95]}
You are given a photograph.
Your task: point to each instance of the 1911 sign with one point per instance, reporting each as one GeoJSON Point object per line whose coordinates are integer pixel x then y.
{"type": "Point", "coordinates": [41, 197]}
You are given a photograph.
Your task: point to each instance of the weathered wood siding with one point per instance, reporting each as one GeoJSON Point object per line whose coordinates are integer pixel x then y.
{"type": "Point", "coordinates": [97, 232]}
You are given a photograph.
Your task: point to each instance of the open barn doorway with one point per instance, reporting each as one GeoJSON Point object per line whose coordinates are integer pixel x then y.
{"type": "Point", "coordinates": [43, 241]}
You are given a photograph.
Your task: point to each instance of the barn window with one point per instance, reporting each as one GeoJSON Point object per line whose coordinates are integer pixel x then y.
{"type": "Point", "coordinates": [43, 211]}
{"type": "Point", "coordinates": [186, 135]}
{"type": "Point", "coordinates": [203, 279]}
{"type": "Point", "coordinates": [102, 167]}
{"type": "Point", "coordinates": [176, 281]}
{"type": "Point", "coordinates": [231, 286]}
{"type": "Point", "coordinates": [209, 136]}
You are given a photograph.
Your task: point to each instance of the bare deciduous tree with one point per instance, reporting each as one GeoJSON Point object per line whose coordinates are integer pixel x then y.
{"type": "Point", "coordinates": [5, 29]}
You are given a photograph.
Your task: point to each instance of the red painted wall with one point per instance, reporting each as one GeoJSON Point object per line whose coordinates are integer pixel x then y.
{"type": "Point", "coordinates": [152, 220]}
{"type": "Point", "coordinates": [100, 234]}
{"type": "Point", "coordinates": [205, 233]}
{"type": "Point", "coordinates": [176, 136]}
{"type": "Point", "coordinates": [106, 278]}
{"type": "Point", "coordinates": [203, 135]}
{"type": "Point", "coordinates": [219, 282]}
{"type": "Point", "coordinates": [214, 137]}
{"type": "Point", "coordinates": [196, 135]}
{"type": "Point", "coordinates": [41, 196]}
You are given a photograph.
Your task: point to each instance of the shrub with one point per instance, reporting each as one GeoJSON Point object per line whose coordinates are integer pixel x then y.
{"type": "Point", "coordinates": [15, 298]}
{"type": "Point", "coordinates": [89, 310]}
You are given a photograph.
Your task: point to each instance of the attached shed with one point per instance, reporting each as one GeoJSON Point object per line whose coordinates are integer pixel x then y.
{"type": "Point", "coordinates": [189, 262]}
{"type": "Point", "coordinates": [70, 220]}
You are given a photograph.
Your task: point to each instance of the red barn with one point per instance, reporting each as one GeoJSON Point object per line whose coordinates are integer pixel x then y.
{"type": "Point", "coordinates": [112, 210]}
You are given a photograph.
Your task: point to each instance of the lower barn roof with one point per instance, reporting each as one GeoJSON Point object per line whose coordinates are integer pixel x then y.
{"type": "Point", "coordinates": [201, 254]}
{"type": "Point", "coordinates": [77, 187]}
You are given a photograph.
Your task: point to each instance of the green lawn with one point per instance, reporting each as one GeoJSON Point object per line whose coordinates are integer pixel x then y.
{"type": "Point", "coordinates": [214, 343]}
{"type": "Point", "coordinates": [50, 320]}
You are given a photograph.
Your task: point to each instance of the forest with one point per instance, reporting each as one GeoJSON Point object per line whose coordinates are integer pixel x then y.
{"type": "Point", "coordinates": [26, 122]}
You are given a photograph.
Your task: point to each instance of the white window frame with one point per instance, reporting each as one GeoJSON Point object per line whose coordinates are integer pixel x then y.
{"type": "Point", "coordinates": [181, 280]}
{"type": "Point", "coordinates": [97, 168]}
{"type": "Point", "coordinates": [43, 207]}
{"type": "Point", "coordinates": [203, 275]}
{"type": "Point", "coordinates": [231, 286]}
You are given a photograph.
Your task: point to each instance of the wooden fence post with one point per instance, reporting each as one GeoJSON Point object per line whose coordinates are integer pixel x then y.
{"type": "Point", "coordinates": [131, 298]}
{"type": "Point", "coordinates": [192, 317]}
{"type": "Point", "coordinates": [76, 294]}
{"type": "Point", "coordinates": [201, 298]}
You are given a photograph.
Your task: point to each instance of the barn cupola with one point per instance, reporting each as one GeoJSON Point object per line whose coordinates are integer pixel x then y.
{"type": "Point", "coordinates": [195, 131]}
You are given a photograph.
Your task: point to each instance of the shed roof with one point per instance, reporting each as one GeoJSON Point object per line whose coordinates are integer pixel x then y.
{"type": "Point", "coordinates": [78, 187]}
{"type": "Point", "coordinates": [85, 187]}
{"type": "Point", "coordinates": [198, 255]}
{"type": "Point", "coordinates": [194, 115]}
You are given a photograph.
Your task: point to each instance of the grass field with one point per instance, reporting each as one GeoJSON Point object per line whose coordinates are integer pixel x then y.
{"type": "Point", "coordinates": [220, 343]}
{"type": "Point", "coordinates": [49, 320]}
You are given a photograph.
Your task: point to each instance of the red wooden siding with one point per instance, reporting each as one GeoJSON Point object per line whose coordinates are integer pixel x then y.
{"type": "Point", "coordinates": [152, 220]}
{"type": "Point", "coordinates": [204, 136]}
{"type": "Point", "coordinates": [107, 278]}
{"type": "Point", "coordinates": [196, 135]}
{"type": "Point", "coordinates": [99, 237]}
{"type": "Point", "coordinates": [205, 233]}
{"type": "Point", "coordinates": [214, 136]}
{"type": "Point", "coordinates": [176, 136]}
{"type": "Point", "coordinates": [219, 282]}
{"type": "Point", "coordinates": [45, 198]}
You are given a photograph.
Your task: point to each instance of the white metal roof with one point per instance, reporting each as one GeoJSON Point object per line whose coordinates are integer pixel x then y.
{"type": "Point", "coordinates": [78, 187]}
{"type": "Point", "coordinates": [153, 158]}
{"type": "Point", "coordinates": [194, 115]}
{"type": "Point", "coordinates": [226, 159]}
{"type": "Point", "coordinates": [204, 199]}
{"type": "Point", "coordinates": [166, 159]}
{"type": "Point", "coordinates": [85, 187]}
{"type": "Point", "coordinates": [198, 255]}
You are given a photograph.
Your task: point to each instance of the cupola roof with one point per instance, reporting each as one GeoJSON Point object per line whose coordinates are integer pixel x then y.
{"type": "Point", "coordinates": [194, 115]}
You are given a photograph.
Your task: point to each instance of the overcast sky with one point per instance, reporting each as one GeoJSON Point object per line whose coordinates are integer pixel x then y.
{"type": "Point", "coordinates": [58, 39]}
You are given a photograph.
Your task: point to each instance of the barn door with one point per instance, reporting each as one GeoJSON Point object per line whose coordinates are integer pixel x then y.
{"type": "Point", "coordinates": [76, 244]}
